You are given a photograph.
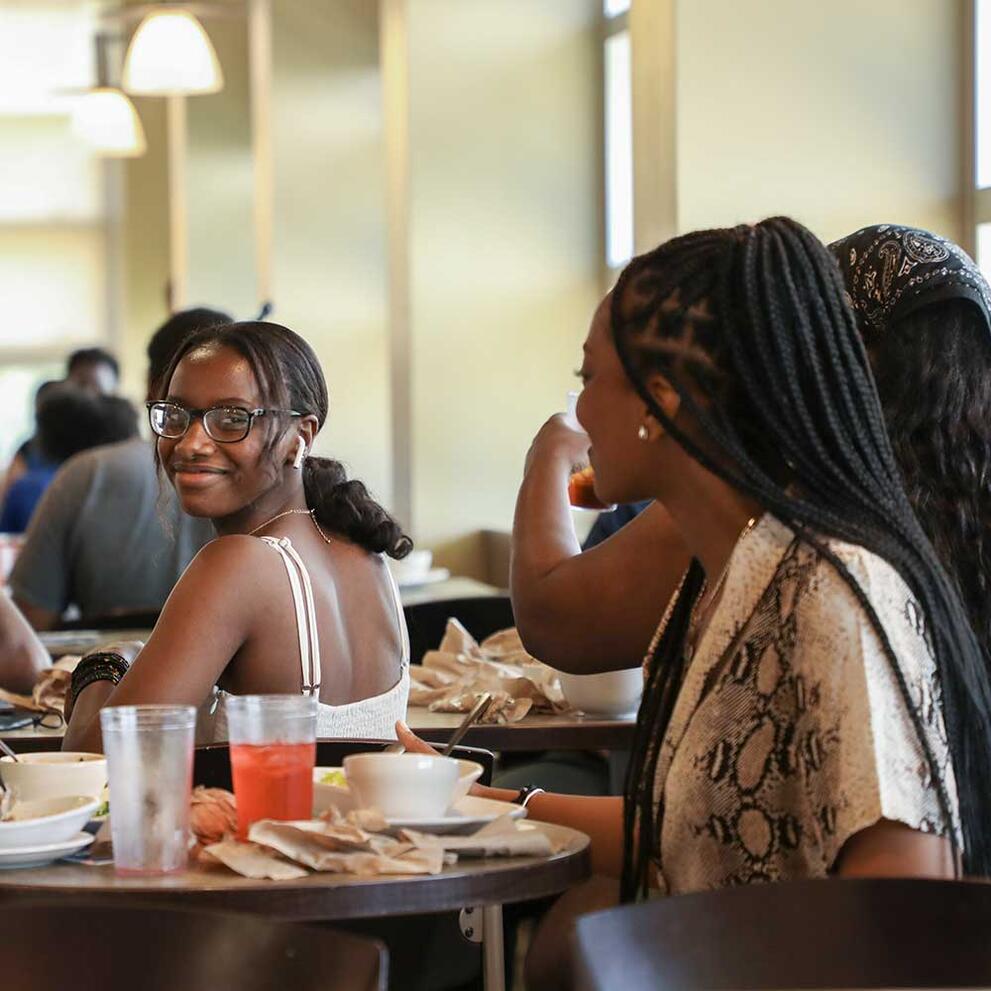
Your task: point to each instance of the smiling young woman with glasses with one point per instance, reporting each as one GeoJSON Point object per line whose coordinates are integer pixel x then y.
{"type": "Point", "coordinates": [293, 596]}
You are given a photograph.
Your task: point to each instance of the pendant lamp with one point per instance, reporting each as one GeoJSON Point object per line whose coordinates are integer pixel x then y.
{"type": "Point", "coordinates": [171, 55]}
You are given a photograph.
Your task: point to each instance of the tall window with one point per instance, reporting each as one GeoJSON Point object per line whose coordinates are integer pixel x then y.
{"type": "Point", "coordinates": [53, 257]}
{"type": "Point", "coordinates": [618, 133]}
{"type": "Point", "coordinates": [982, 132]}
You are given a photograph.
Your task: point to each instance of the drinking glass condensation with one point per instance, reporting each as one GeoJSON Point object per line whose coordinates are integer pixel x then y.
{"type": "Point", "coordinates": [581, 484]}
{"type": "Point", "coordinates": [149, 752]}
{"type": "Point", "coordinates": [273, 752]}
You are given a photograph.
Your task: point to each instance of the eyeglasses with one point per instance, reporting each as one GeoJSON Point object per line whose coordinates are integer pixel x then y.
{"type": "Point", "coordinates": [224, 424]}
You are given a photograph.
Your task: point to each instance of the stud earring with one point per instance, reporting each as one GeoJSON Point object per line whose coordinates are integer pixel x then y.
{"type": "Point", "coordinates": [300, 454]}
{"type": "Point", "coordinates": [643, 433]}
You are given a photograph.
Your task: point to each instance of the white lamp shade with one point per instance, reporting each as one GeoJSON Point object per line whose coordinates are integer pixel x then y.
{"type": "Point", "coordinates": [171, 55]}
{"type": "Point", "coordinates": [106, 119]}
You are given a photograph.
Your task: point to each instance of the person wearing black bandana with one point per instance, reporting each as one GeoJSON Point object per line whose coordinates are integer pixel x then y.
{"type": "Point", "coordinates": [924, 311]}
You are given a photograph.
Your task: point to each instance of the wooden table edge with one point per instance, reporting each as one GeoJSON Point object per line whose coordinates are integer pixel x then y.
{"type": "Point", "coordinates": [522, 879]}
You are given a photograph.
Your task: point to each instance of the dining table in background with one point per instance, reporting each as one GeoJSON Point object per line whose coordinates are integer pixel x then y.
{"type": "Point", "coordinates": [483, 885]}
{"type": "Point", "coordinates": [78, 641]}
{"type": "Point", "coordinates": [532, 733]}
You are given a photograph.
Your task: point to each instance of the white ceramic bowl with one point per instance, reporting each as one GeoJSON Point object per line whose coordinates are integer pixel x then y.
{"type": "Point", "coordinates": [403, 786]}
{"type": "Point", "coordinates": [415, 565]}
{"type": "Point", "coordinates": [341, 797]}
{"type": "Point", "coordinates": [53, 775]}
{"type": "Point", "coordinates": [613, 694]}
{"type": "Point", "coordinates": [48, 820]}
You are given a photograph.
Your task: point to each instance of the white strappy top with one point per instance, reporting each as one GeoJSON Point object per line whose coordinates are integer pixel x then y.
{"type": "Point", "coordinates": [372, 718]}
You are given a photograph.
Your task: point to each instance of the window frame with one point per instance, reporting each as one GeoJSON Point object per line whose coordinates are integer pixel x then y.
{"type": "Point", "coordinates": [609, 27]}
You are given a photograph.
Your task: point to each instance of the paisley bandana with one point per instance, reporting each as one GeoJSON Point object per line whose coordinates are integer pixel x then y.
{"type": "Point", "coordinates": [890, 271]}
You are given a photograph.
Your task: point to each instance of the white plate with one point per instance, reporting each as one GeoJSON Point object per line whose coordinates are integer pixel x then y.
{"type": "Point", "coordinates": [467, 815]}
{"type": "Point", "coordinates": [38, 856]}
{"type": "Point", "coordinates": [431, 577]}
{"type": "Point", "coordinates": [45, 821]}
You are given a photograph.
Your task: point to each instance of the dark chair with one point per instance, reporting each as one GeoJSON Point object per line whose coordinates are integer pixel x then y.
{"type": "Point", "coordinates": [92, 947]}
{"type": "Point", "coordinates": [807, 934]}
{"type": "Point", "coordinates": [481, 617]}
{"type": "Point", "coordinates": [212, 766]}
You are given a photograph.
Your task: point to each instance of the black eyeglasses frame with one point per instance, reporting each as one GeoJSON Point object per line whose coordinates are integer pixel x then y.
{"type": "Point", "coordinates": [200, 414]}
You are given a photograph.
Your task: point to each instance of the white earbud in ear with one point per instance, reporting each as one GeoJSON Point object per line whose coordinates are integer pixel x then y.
{"type": "Point", "coordinates": [300, 454]}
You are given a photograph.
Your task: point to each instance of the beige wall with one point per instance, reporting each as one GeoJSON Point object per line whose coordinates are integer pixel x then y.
{"type": "Point", "coordinates": [219, 182]}
{"type": "Point", "coordinates": [145, 244]}
{"type": "Point", "coordinates": [841, 114]}
{"type": "Point", "coordinates": [329, 280]}
{"type": "Point", "coordinates": [504, 245]}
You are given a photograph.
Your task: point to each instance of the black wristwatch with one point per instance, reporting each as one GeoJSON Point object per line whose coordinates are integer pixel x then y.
{"type": "Point", "coordinates": [526, 793]}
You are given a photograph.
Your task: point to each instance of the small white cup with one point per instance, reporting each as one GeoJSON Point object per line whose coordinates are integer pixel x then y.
{"type": "Point", "coordinates": [403, 786]}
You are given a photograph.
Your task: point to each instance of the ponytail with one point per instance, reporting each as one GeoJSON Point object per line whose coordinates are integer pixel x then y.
{"type": "Point", "coordinates": [346, 507]}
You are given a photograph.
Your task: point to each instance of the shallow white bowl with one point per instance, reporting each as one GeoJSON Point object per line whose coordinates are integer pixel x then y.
{"type": "Point", "coordinates": [54, 775]}
{"type": "Point", "coordinates": [415, 565]}
{"type": "Point", "coordinates": [409, 786]}
{"type": "Point", "coordinates": [48, 820]}
{"type": "Point", "coordinates": [614, 694]}
{"type": "Point", "coordinates": [342, 798]}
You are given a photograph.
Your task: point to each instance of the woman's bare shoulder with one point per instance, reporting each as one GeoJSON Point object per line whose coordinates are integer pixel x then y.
{"type": "Point", "coordinates": [234, 554]}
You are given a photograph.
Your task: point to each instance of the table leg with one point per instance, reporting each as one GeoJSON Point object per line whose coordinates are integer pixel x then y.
{"type": "Point", "coordinates": [492, 949]}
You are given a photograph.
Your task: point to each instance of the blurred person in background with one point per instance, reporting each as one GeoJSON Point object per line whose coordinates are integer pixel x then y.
{"type": "Point", "coordinates": [69, 421]}
{"type": "Point", "coordinates": [28, 456]}
{"type": "Point", "coordinates": [94, 370]}
{"type": "Point", "coordinates": [106, 539]}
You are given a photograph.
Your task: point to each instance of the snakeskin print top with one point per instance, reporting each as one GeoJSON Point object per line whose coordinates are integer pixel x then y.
{"type": "Point", "coordinates": [790, 733]}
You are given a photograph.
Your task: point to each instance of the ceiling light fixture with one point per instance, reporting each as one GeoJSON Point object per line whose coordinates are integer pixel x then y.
{"type": "Point", "coordinates": [171, 55]}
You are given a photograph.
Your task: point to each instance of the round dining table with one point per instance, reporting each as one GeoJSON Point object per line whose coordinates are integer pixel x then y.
{"type": "Point", "coordinates": [479, 884]}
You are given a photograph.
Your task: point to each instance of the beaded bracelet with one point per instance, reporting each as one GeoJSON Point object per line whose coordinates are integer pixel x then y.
{"type": "Point", "coordinates": [103, 666]}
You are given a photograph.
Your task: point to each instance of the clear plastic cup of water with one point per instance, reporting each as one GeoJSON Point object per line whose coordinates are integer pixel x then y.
{"type": "Point", "coordinates": [149, 752]}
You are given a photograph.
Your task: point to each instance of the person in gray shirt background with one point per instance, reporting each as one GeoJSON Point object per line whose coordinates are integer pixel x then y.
{"type": "Point", "coordinates": [106, 538]}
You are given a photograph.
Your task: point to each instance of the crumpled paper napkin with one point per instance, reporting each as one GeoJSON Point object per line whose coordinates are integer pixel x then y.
{"type": "Point", "coordinates": [358, 844]}
{"type": "Point", "coordinates": [49, 690]}
{"type": "Point", "coordinates": [451, 678]}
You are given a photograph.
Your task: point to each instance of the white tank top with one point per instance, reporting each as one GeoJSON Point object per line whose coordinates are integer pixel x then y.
{"type": "Point", "coordinates": [372, 718]}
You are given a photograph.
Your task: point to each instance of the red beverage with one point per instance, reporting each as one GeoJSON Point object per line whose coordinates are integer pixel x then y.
{"type": "Point", "coordinates": [581, 490]}
{"type": "Point", "coordinates": [272, 781]}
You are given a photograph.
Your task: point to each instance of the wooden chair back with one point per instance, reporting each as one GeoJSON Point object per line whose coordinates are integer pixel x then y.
{"type": "Point", "coordinates": [93, 947]}
{"type": "Point", "coordinates": [833, 933]}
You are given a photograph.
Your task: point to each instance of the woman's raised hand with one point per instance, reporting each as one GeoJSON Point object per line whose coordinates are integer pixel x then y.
{"type": "Point", "coordinates": [411, 741]}
{"type": "Point", "coordinates": [560, 439]}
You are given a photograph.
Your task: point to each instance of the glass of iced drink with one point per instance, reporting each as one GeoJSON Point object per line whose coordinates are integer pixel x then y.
{"type": "Point", "coordinates": [581, 484]}
{"type": "Point", "coordinates": [149, 752]}
{"type": "Point", "coordinates": [273, 752]}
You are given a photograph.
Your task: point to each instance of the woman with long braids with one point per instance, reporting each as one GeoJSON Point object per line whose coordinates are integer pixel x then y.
{"type": "Point", "coordinates": [816, 702]}
{"type": "Point", "coordinates": [293, 596]}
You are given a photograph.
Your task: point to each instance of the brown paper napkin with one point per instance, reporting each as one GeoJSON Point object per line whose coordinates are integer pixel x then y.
{"type": "Point", "coordinates": [451, 678]}
{"type": "Point", "coordinates": [49, 691]}
{"type": "Point", "coordinates": [357, 844]}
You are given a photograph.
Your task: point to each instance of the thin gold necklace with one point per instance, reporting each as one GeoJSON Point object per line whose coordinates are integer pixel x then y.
{"type": "Point", "coordinates": [288, 512]}
{"type": "Point", "coordinates": [294, 512]}
{"type": "Point", "coordinates": [693, 619]}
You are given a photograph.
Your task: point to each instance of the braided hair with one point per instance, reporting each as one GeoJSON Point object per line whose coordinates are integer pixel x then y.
{"type": "Point", "coordinates": [751, 328]}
